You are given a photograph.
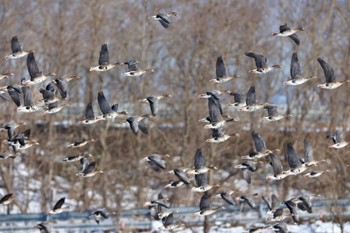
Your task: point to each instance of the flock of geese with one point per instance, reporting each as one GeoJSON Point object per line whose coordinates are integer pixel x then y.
{"type": "Point", "coordinates": [55, 97]}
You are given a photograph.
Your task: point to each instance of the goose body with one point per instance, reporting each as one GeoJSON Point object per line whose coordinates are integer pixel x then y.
{"type": "Point", "coordinates": [103, 61]}
{"type": "Point", "coordinates": [330, 83]}
{"type": "Point", "coordinates": [261, 64]}
{"type": "Point", "coordinates": [16, 48]}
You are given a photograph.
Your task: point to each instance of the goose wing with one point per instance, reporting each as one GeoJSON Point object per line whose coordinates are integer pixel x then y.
{"type": "Point", "coordinates": [14, 94]}
{"type": "Point", "coordinates": [295, 70]}
{"type": "Point", "coordinates": [89, 168]}
{"type": "Point", "coordinates": [59, 203]}
{"type": "Point", "coordinates": [103, 104]}
{"type": "Point", "coordinates": [15, 45]}
{"type": "Point", "coordinates": [251, 96]}
{"type": "Point", "coordinates": [201, 179]}
{"type": "Point", "coordinates": [295, 38]}
{"type": "Point", "coordinates": [276, 164]}
{"type": "Point", "coordinates": [259, 142]}
{"type": "Point", "coordinates": [284, 28]}
{"type": "Point", "coordinates": [271, 110]}
{"type": "Point", "coordinates": [292, 157]}
{"type": "Point", "coordinates": [142, 126]}
{"type": "Point", "coordinates": [62, 86]}
{"type": "Point", "coordinates": [220, 68]}
{"type": "Point", "coordinates": [308, 151]}
{"type": "Point", "coordinates": [168, 220]}
{"type": "Point", "coordinates": [154, 104]}
{"type": "Point", "coordinates": [104, 55]}
{"type": "Point", "coordinates": [199, 160]}
{"type": "Point", "coordinates": [27, 96]}
{"type": "Point", "coordinates": [260, 60]}
{"type": "Point", "coordinates": [89, 112]}
{"type": "Point", "coordinates": [204, 202]}
{"type": "Point", "coordinates": [33, 68]}
{"type": "Point", "coordinates": [328, 71]}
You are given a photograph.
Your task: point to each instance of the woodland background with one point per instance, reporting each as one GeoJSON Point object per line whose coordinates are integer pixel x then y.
{"type": "Point", "coordinates": [67, 37]}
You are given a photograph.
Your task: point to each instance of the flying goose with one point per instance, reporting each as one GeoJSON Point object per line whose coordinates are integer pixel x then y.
{"type": "Point", "coordinates": [156, 161]}
{"type": "Point", "coordinates": [54, 107]}
{"type": "Point", "coordinates": [108, 112]}
{"type": "Point", "coordinates": [275, 203]}
{"type": "Point", "coordinates": [199, 164]}
{"type": "Point", "coordinates": [227, 197]}
{"type": "Point", "coordinates": [80, 143]}
{"type": "Point", "coordinates": [205, 207]}
{"type": "Point", "coordinates": [36, 76]}
{"type": "Point", "coordinates": [103, 61]}
{"type": "Point", "coordinates": [14, 92]}
{"type": "Point", "coordinates": [247, 199]}
{"type": "Point", "coordinates": [238, 98]}
{"type": "Point", "coordinates": [89, 170]}
{"type": "Point", "coordinates": [247, 168]}
{"type": "Point", "coordinates": [164, 18]}
{"type": "Point", "coordinates": [58, 207]}
{"type": "Point", "coordinates": [48, 94]}
{"type": "Point", "coordinates": [134, 70]}
{"type": "Point", "coordinates": [154, 102]}
{"type": "Point", "coordinates": [285, 30]}
{"type": "Point", "coordinates": [10, 128]}
{"type": "Point", "coordinates": [221, 76]}
{"type": "Point", "coordinates": [28, 106]}
{"type": "Point", "coordinates": [338, 140]}
{"type": "Point", "coordinates": [161, 200]}
{"type": "Point", "coordinates": [261, 64]}
{"type": "Point", "coordinates": [218, 135]}
{"type": "Point", "coordinates": [76, 158]}
{"type": "Point", "coordinates": [202, 183]}
{"type": "Point", "coordinates": [251, 104]}
{"type": "Point", "coordinates": [21, 141]}
{"type": "Point", "coordinates": [62, 87]}
{"type": "Point", "coordinates": [181, 175]}
{"type": "Point", "coordinates": [6, 75]}
{"type": "Point", "coordinates": [168, 223]}
{"type": "Point", "coordinates": [278, 173]}
{"type": "Point", "coordinates": [308, 155]}
{"type": "Point", "coordinates": [99, 215]}
{"type": "Point", "coordinates": [16, 48]}
{"type": "Point", "coordinates": [329, 75]}
{"type": "Point", "coordinates": [295, 73]}
{"type": "Point", "coordinates": [272, 114]}
{"type": "Point", "coordinates": [314, 174]}
{"type": "Point", "coordinates": [7, 199]}
{"type": "Point", "coordinates": [90, 117]}
{"type": "Point", "coordinates": [260, 148]}
{"type": "Point", "coordinates": [296, 164]}
{"type": "Point", "coordinates": [174, 184]}
{"type": "Point", "coordinates": [42, 228]}
{"type": "Point", "coordinates": [137, 123]}
{"type": "Point", "coordinates": [7, 155]}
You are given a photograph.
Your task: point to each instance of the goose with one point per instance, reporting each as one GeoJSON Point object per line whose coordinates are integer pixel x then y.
{"type": "Point", "coordinates": [247, 168]}
{"type": "Point", "coordinates": [246, 199]}
{"type": "Point", "coordinates": [48, 94]}
{"type": "Point", "coordinates": [295, 73]}
{"type": "Point", "coordinates": [218, 136]}
{"type": "Point", "coordinates": [156, 161]}
{"type": "Point", "coordinates": [7, 199]}
{"type": "Point", "coordinates": [22, 141]}
{"type": "Point", "coordinates": [14, 92]}
{"type": "Point", "coordinates": [202, 183]}
{"type": "Point", "coordinates": [218, 124]}
{"type": "Point", "coordinates": [285, 30]}
{"type": "Point", "coordinates": [338, 140]}
{"type": "Point", "coordinates": [329, 75]}
{"type": "Point", "coordinates": [54, 107]}
{"type": "Point", "coordinates": [260, 148]}
{"type": "Point", "coordinates": [314, 174]}
{"type": "Point", "coordinates": [42, 228]}
{"type": "Point", "coordinates": [6, 75]}
{"type": "Point", "coordinates": [221, 76]}
{"type": "Point", "coordinates": [275, 203]}
{"type": "Point", "coordinates": [205, 208]}
{"type": "Point", "coordinates": [134, 70]}
{"type": "Point", "coordinates": [62, 87]}
{"type": "Point", "coordinates": [80, 143]}
{"type": "Point", "coordinates": [296, 164]}
{"type": "Point", "coordinates": [272, 114]}
{"type": "Point", "coordinates": [90, 117]}
{"type": "Point", "coordinates": [16, 48]}
{"type": "Point", "coordinates": [137, 123]}
{"type": "Point", "coordinates": [181, 175]}
{"type": "Point", "coordinates": [168, 223]}
{"type": "Point", "coordinates": [7, 155]}
{"type": "Point", "coordinates": [89, 170]}
{"type": "Point", "coordinates": [226, 196]}
{"type": "Point", "coordinates": [261, 64]}
{"type": "Point", "coordinates": [174, 184]}
{"type": "Point", "coordinates": [99, 215]}
{"type": "Point", "coordinates": [36, 76]}
{"type": "Point", "coordinates": [10, 128]}
{"type": "Point", "coordinates": [160, 201]}
{"type": "Point", "coordinates": [199, 164]}
{"type": "Point", "coordinates": [251, 104]}
{"type": "Point", "coordinates": [280, 227]}
{"type": "Point", "coordinates": [154, 102]}
{"type": "Point", "coordinates": [277, 167]}
{"type": "Point", "coordinates": [58, 207]}
{"type": "Point", "coordinates": [239, 100]}
{"type": "Point", "coordinates": [103, 61]}
{"type": "Point", "coordinates": [108, 112]}
{"type": "Point", "coordinates": [308, 155]}
{"type": "Point", "coordinates": [76, 158]}
{"type": "Point", "coordinates": [164, 18]}
{"type": "Point", "coordinates": [27, 107]}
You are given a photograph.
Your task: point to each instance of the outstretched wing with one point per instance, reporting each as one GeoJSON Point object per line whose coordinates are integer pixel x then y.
{"type": "Point", "coordinates": [89, 112]}
{"type": "Point", "coordinates": [295, 70]}
{"type": "Point", "coordinates": [59, 204]}
{"type": "Point", "coordinates": [328, 71]}
{"type": "Point", "coordinates": [260, 60]}
{"type": "Point", "coordinates": [220, 68]}
{"type": "Point", "coordinates": [104, 55]}
{"type": "Point", "coordinates": [33, 68]}
{"type": "Point", "coordinates": [295, 38]}
{"type": "Point", "coordinates": [199, 159]}
{"type": "Point", "coordinates": [251, 96]}
{"type": "Point", "coordinates": [103, 104]}
{"type": "Point", "coordinates": [15, 45]}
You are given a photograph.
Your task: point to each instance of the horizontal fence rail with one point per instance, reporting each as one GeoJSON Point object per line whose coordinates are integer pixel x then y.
{"type": "Point", "coordinates": [139, 219]}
